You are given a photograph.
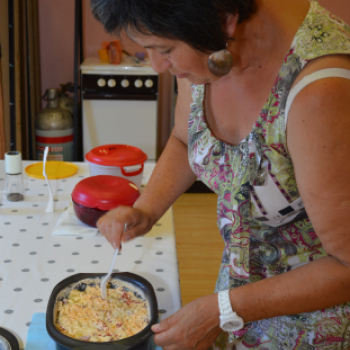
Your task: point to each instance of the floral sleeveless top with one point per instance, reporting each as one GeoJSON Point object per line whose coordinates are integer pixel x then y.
{"type": "Point", "coordinates": [261, 241]}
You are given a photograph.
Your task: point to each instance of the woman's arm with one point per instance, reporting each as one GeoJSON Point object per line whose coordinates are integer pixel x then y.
{"type": "Point", "coordinates": [319, 144]}
{"type": "Point", "coordinates": [171, 176]}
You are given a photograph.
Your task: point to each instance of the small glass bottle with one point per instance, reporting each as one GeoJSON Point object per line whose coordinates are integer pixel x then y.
{"type": "Point", "coordinates": [14, 190]}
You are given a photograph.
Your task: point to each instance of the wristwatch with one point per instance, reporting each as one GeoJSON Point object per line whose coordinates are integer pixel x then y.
{"type": "Point", "coordinates": [229, 320]}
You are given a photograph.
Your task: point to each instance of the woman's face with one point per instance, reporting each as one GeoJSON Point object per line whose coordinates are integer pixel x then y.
{"type": "Point", "coordinates": [176, 56]}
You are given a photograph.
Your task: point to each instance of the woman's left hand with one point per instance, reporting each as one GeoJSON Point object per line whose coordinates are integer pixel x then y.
{"type": "Point", "coordinates": [195, 326]}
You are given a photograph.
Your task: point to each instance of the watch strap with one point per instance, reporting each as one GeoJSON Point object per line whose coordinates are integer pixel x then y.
{"type": "Point", "coordinates": [225, 303]}
{"type": "Point", "coordinates": [229, 320]}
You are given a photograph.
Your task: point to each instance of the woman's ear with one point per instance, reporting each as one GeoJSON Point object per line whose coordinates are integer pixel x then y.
{"type": "Point", "coordinates": [231, 24]}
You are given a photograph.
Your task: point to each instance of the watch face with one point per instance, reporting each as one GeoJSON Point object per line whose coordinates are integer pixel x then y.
{"type": "Point", "coordinates": [232, 326]}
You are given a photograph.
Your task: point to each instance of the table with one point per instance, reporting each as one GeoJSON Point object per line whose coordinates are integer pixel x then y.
{"type": "Point", "coordinates": [33, 261]}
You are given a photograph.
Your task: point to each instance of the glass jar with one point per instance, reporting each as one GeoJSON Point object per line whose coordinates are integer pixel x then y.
{"type": "Point", "coordinates": [14, 189]}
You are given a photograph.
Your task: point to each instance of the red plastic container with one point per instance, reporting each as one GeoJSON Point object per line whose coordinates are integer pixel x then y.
{"type": "Point", "coordinates": [119, 160]}
{"type": "Point", "coordinates": [94, 196]}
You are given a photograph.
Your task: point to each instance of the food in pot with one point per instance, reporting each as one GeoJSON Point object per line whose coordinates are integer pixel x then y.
{"type": "Point", "coordinates": [84, 315]}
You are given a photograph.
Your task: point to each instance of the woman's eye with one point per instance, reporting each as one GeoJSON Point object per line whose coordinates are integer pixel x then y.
{"type": "Point", "coordinates": [166, 52]}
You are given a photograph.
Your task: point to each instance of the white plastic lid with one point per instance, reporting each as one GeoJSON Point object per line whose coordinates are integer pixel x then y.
{"type": "Point", "coordinates": [13, 162]}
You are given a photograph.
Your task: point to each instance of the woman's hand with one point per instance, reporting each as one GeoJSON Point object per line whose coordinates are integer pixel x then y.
{"type": "Point", "coordinates": [195, 326]}
{"type": "Point", "coordinates": [136, 221]}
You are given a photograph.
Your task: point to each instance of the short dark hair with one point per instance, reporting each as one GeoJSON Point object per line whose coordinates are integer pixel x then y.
{"type": "Point", "coordinates": [199, 23]}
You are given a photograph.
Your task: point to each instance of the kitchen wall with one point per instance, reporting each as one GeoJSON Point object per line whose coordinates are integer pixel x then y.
{"type": "Point", "coordinates": [57, 46]}
{"type": "Point", "coordinates": [57, 40]}
{"type": "Point", "coordinates": [56, 23]}
{"type": "Point", "coordinates": [57, 52]}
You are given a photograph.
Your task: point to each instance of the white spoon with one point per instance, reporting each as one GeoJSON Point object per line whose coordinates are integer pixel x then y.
{"type": "Point", "coordinates": [105, 279]}
{"type": "Point", "coordinates": [49, 208]}
{"type": "Point", "coordinates": [103, 284]}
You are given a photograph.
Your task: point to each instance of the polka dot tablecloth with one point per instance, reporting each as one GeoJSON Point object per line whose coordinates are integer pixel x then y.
{"type": "Point", "coordinates": [33, 261]}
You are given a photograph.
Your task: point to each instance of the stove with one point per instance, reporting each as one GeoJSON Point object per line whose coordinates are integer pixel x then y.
{"type": "Point", "coordinates": [120, 105]}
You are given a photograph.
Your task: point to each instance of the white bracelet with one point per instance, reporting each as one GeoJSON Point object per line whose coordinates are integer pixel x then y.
{"type": "Point", "coordinates": [229, 320]}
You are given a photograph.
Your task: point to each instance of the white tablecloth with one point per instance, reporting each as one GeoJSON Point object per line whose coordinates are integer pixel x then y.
{"type": "Point", "coordinates": [33, 261]}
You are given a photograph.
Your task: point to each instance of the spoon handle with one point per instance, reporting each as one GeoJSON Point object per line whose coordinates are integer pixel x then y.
{"type": "Point", "coordinates": [103, 284]}
{"type": "Point", "coordinates": [113, 261]}
{"type": "Point", "coordinates": [114, 257]}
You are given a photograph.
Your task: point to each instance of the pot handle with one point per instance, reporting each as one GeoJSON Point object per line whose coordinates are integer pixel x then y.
{"type": "Point", "coordinates": [134, 173]}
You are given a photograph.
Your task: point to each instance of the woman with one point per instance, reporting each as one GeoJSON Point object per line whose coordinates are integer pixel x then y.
{"type": "Point", "coordinates": [282, 184]}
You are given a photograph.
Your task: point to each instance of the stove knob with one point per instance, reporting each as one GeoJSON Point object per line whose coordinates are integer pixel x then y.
{"type": "Point", "coordinates": [138, 83]}
{"type": "Point", "coordinates": [101, 82]}
{"type": "Point", "coordinates": [125, 83]}
{"type": "Point", "coordinates": [149, 83]}
{"type": "Point", "coordinates": [112, 83]}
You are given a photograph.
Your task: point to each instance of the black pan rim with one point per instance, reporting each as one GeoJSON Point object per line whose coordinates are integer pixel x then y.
{"type": "Point", "coordinates": [134, 340]}
{"type": "Point", "coordinates": [10, 337]}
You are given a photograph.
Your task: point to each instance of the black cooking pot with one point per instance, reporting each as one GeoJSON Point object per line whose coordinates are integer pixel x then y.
{"type": "Point", "coordinates": [139, 341]}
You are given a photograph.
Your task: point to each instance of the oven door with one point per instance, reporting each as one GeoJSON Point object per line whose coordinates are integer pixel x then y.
{"type": "Point", "coordinates": [121, 121]}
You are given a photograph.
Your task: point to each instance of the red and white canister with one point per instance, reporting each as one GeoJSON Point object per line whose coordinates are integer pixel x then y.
{"type": "Point", "coordinates": [118, 160]}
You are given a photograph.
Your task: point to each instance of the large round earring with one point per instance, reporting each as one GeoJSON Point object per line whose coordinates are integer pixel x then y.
{"type": "Point", "coordinates": [220, 62]}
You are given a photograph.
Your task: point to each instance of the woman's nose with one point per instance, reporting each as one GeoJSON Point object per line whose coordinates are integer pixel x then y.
{"type": "Point", "coordinates": [159, 63]}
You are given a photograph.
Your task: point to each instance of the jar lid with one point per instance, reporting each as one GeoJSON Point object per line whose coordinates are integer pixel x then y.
{"type": "Point", "coordinates": [105, 192]}
{"type": "Point", "coordinates": [116, 155]}
{"type": "Point", "coordinates": [13, 162]}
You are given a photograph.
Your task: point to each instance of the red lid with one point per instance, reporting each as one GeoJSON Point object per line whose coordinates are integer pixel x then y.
{"type": "Point", "coordinates": [116, 155]}
{"type": "Point", "coordinates": [105, 192]}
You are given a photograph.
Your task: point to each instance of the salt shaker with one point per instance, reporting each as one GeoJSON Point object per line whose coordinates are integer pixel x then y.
{"type": "Point", "coordinates": [14, 190]}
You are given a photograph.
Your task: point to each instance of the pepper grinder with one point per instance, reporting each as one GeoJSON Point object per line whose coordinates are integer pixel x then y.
{"type": "Point", "coordinates": [14, 190]}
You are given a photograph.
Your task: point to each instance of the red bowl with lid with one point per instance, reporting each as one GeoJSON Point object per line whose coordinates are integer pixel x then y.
{"type": "Point", "coordinates": [118, 160]}
{"type": "Point", "coordinates": [94, 196]}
